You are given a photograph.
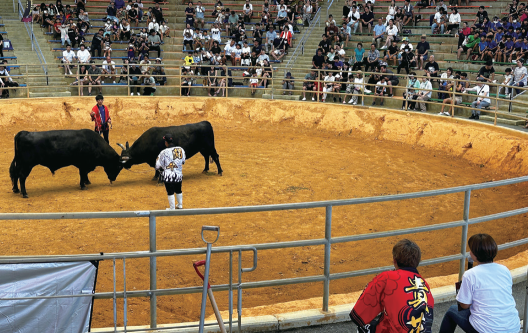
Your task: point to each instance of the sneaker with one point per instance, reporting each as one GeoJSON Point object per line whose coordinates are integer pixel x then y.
{"type": "Point", "coordinates": [440, 113]}
{"type": "Point", "coordinates": [477, 117]}
{"type": "Point", "coordinates": [131, 94]}
{"type": "Point", "coordinates": [446, 113]}
{"type": "Point", "coordinates": [344, 102]}
{"type": "Point", "coordinates": [383, 47]}
{"type": "Point", "coordinates": [334, 99]}
{"type": "Point", "coordinates": [114, 82]}
{"type": "Point", "coordinates": [381, 104]}
{"type": "Point", "coordinates": [351, 101]}
{"type": "Point", "coordinates": [313, 98]}
{"type": "Point", "coordinates": [138, 94]}
{"type": "Point", "coordinates": [472, 116]}
{"type": "Point", "coordinates": [355, 103]}
{"type": "Point", "coordinates": [304, 99]}
{"type": "Point", "coordinates": [339, 99]}
{"type": "Point", "coordinates": [366, 91]}
{"type": "Point", "coordinates": [390, 95]}
{"type": "Point", "coordinates": [373, 103]}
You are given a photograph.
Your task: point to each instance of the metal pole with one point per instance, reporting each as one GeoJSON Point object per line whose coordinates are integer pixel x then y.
{"type": "Point", "coordinates": [467, 197]}
{"type": "Point", "coordinates": [128, 79]}
{"type": "Point", "coordinates": [525, 319]}
{"type": "Point", "coordinates": [27, 81]}
{"type": "Point", "coordinates": [496, 106]}
{"type": "Point", "coordinates": [230, 291]}
{"type": "Point", "coordinates": [239, 292]}
{"type": "Point", "coordinates": [204, 293]}
{"type": "Point", "coordinates": [115, 299]}
{"type": "Point", "coordinates": [328, 237]}
{"type": "Point", "coordinates": [153, 282]}
{"type": "Point", "coordinates": [124, 297]}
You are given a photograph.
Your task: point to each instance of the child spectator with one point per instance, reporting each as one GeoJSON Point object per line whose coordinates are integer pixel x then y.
{"type": "Point", "coordinates": [401, 295]}
{"type": "Point", "coordinates": [253, 83]}
{"type": "Point", "coordinates": [508, 80]}
{"type": "Point", "coordinates": [485, 301]}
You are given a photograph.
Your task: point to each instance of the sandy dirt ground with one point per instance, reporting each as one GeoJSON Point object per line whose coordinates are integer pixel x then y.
{"type": "Point", "coordinates": [268, 157]}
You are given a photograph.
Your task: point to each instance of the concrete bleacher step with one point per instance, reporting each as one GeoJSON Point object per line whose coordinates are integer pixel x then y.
{"type": "Point", "coordinates": [502, 120]}
{"type": "Point", "coordinates": [279, 96]}
{"type": "Point", "coordinates": [50, 94]}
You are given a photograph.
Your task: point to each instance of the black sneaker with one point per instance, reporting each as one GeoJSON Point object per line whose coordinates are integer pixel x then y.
{"type": "Point", "coordinates": [472, 116]}
{"type": "Point", "coordinates": [477, 117]}
{"type": "Point", "coordinates": [390, 95]}
{"type": "Point", "coordinates": [381, 104]}
{"type": "Point", "coordinates": [340, 100]}
{"type": "Point", "coordinates": [334, 99]}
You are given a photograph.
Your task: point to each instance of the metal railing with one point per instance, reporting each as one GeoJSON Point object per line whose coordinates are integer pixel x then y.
{"type": "Point", "coordinates": [34, 43]}
{"type": "Point", "coordinates": [175, 87]}
{"type": "Point", "coordinates": [327, 242]}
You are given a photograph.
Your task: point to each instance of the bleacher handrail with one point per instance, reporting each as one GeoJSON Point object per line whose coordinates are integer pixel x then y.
{"type": "Point", "coordinates": [34, 43]}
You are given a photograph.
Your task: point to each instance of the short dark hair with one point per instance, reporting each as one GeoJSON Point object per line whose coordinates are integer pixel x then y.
{"type": "Point", "coordinates": [483, 247]}
{"type": "Point", "coordinates": [406, 253]}
{"type": "Point", "coordinates": [99, 97]}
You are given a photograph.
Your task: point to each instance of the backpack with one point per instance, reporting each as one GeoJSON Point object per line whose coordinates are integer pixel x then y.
{"type": "Point", "coordinates": [407, 32]}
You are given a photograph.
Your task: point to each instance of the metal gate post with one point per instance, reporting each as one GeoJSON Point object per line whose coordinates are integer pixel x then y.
{"type": "Point", "coordinates": [462, 269]}
{"type": "Point", "coordinates": [328, 237]}
{"type": "Point", "coordinates": [525, 319]}
{"type": "Point", "coordinates": [153, 282]}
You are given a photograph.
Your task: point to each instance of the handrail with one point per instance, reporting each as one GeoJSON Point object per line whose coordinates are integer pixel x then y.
{"type": "Point", "coordinates": [34, 43]}
{"type": "Point", "coordinates": [300, 44]}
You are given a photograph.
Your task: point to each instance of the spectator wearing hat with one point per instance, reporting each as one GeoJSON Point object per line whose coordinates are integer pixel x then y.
{"type": "Point", "coordinates": [288, 83]}
{"type": "Point", "coordinates": [408, 60]}
{"type": "Point", "coordinates": [170, 164]}
{"type": "Point", "coordinates": [422, 51]}
{"type": "Point", "coordinates": [482, 101]}
{"type": "Point", "coordinates": [485, 301]}
{"type": "Point", "coordinates": [101, 116]}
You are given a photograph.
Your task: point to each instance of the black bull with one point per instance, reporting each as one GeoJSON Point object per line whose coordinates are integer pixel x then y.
{"type": "Point", "coordinates": [83, 149]}
{"type": "Point", "coordinates": [193, 138]}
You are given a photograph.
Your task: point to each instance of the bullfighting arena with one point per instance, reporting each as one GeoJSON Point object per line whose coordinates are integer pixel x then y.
{"type": "Point", "coordinates": [271, 152]}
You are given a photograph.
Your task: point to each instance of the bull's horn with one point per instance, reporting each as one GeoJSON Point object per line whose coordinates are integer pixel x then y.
{"type": "Point", "coordinates": [122, 147]}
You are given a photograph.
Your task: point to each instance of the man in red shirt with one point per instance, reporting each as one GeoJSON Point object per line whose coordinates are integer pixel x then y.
{"type": "Point", "coordinates": [398, 301]}
{"type": "Point", "coordinates": [101, 116]}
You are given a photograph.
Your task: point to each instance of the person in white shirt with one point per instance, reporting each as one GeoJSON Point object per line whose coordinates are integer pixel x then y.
{"type": "Point", "coordinates": [229, 52]}
{"type": "Point", "coordinates": [188, 35]}
{"type": "Point", "coordinates": [424, 94]}
{"type": "Point", "coordinates": [438, 21]}
{"type": "Point", "coordinates": [353, 19]}
{"type": "Point", "coordinates": [482, 100]}
{"type": "Point", "coordinates": [392, 32]}
{"type": "Point", "coordinates": [215, 33]}
{"type": "Point", "coordinates": [153, 25]}
{"type": "Point", "coordinates": [83, 55]}
{"type": "Point", "coordinates": [247, 9]}
{"type": "Point", "coordinates": [164, 30]}
{"type": "Point", "coordinates": [67, 59]}
{"type": "Point", "coordinates": [170, 164]}
{"type": "Point", "coordinates": [328, 84]}
{"type": "Point", "coordinates": [200, 15]}
{"type": "Point", "coordinates": [354, 87]}
{"type": "Point", "coordinates": [109, 68]}
{"type": "Point", "coordinates": [307, 14]}
{"type": "Point", "coordinates": [454, 21]}
{"type": "Point", "coordinates": [64, 34]}
{"type": "Point", "coordinates": [508, 79]}
{"type": "Point", "coordinates": [485, 301]}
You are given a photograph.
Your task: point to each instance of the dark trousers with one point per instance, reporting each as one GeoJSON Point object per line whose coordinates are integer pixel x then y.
{"type": "Point", "coordinates": [149, 90]}
{"type": "Point", "coordinates": [98, 48]}
{"type": "Point", "coordinates": [357, 66]}
{"type": "Point", "coordinates": [137, 84]}
{"type": "Point", "coordinates": [461, 39]}
{"type": "Point", "coordinates": [1, 49]}
{"type": "Point", "coordinates": [372, 65]}
{"type": "Point", "coordinates": [173, 187]}
{"type": "Point", "coordinates": [454, 318]}
{"type": "Point", "coordinates": [410, 103]}
{"type": "Point", "coordinates": [404, 65]}
{"type": "Point", "coordinates": [104, 132]}
{"type": "Point", "coordinates": [156, 48]}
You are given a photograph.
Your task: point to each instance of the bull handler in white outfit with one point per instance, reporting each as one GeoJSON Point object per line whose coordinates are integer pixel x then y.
{"type": "Point", "coordinates": [170, 163]}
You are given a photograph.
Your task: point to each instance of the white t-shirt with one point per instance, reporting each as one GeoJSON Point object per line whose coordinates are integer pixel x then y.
{"type": "Point", "coordinates": [392, 31]}
{"type": "Point", "coordinates": [188, 34]}
{"type": "Point", "coordinates": [403, 46]}
{"type": "Point", "coordinates": [438, 17]}
{"type": "Point", "coordinates": [247, 8]}
{"type": "Point", "coordinates": [68, 55]}
{"type": "Point", "coordinates": [154, 26]}
{"type": "Point", "coordinates": [215, 33]}
{"type": "Point", "coordinates": [488, 288]}
{"type": "Point", "coordinates": [83, 56]}
{"type": "Point", "coordinates": [354, 16]}
{"type": "Point", "coordinates": [108, 66]}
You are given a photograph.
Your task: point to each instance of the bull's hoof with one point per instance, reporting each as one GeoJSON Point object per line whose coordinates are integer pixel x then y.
{"type": "Point", "coordinates": [154, 178]}
{"type": "Point", "coordinates": [205, 171]}
{"type": "Point", "coordinates": [220, 174]}
{"type": "Point", "coordinates": [87, 182]}
{"type": "Point", "coordinates": [25, 196]}
{"type": "Point", "coordinates": [16, 190]}
{"type": "Point", "coordinates": [83, 187]}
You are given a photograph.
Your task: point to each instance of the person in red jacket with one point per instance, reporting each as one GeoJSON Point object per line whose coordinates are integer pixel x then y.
{"type": "Point", "coordinates": [101, 116]}
{"type": "Point", "coordinates": [396, 301]}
